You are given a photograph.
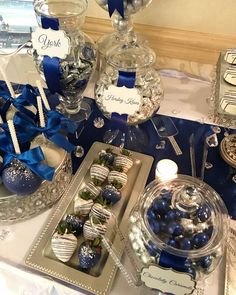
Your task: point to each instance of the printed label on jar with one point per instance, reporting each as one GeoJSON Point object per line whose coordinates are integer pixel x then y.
{"type": "Point", "coordinates": [168, 280]}
{"type": "Point", "coordinates": [51, 43]}
{"type": "Point", "coordinates": [121, 100]}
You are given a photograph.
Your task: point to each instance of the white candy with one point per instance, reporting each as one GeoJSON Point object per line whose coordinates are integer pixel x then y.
{"type": "Point", "coordinates": [93, 189]}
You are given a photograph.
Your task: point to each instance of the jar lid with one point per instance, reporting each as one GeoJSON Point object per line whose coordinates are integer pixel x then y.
{"type": "Point", "coordinates": [184, 216]}
{"type": "Point", "coordinates": [57, 9]}
{"type": "Point", "coordinates": [130, 57]}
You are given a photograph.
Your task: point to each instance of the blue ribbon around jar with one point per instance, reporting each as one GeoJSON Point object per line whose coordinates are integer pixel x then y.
{"type": "Point", "coordinates": [51, 65]}
{"type": "Point", "coordinates": [118, 121]}
{"type": "Point", "coordinates": [116, 5]}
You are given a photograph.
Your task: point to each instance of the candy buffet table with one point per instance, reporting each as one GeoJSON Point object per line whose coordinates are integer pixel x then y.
{"type": "Point", "coordinates": [186, 98]}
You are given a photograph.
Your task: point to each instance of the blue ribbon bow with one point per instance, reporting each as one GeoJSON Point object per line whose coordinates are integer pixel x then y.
{"type": "Point", "coordinates": [66, 124]}
{"type": "Point", "coordinates": [27, 98]}
{"type": "Point", "coordinates": [32, 159]}
{"type": "Point", "coordinates": [51, 131]}
{"type": "Point", "coordinates": [116, 5]}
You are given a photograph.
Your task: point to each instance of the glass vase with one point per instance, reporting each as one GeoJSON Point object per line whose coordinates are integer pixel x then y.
{"type": "Point", "coordinates": [76, 69]}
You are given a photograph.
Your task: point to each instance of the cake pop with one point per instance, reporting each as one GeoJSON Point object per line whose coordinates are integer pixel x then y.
{"type": "Point", "coordinates": [52, 153]}
{"type": "Point", "coordinates": [18, 178]}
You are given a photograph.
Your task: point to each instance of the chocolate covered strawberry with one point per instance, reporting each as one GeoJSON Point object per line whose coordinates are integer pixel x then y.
{"type": "Point", "coordinates": [63, 242]}
{"type": "Point", "coordinates": [124, 160]}
{"type": "Point", "coordinates": [98, 172]}
{"type": "Point", "coordinates": [111, 194]}
{"type": "Point", "coordinates": [89, 254]}
{"type": "Point", "coordinates": [75, 223]}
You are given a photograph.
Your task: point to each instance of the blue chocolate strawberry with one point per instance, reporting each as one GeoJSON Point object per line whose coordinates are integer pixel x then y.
{"type": "Point", "coordinates": [111, 194]}
{"type": "Point", "coordinates": [89, 254]}
{"type": "Point", "coordinates": [107, 156]}
{"type": "Point", "coordinates": [76, 223]}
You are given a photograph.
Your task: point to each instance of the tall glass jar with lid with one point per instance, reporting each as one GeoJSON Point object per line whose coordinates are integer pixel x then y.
{"type": "Point", "coordinates": [67, 76]}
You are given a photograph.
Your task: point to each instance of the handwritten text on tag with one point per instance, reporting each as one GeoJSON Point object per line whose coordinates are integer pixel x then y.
{"type": "Point", "coordinates": [51, 43]}
{"type": "Point", "coordinates": [121, 100]}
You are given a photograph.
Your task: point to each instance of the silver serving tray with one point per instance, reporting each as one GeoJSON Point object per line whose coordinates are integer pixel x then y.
{"type": "Point", "coordinates": [99, 280]}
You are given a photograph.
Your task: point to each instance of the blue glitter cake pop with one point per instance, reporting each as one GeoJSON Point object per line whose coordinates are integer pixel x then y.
{"type": "Point", "coordinates": [16, 177]}
{"type": "Point", "coordinates": [20, 180]}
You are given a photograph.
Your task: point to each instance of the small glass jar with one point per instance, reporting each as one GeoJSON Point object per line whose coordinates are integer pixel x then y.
{"type": "Point", "coordinates": [137, 60]}
{"type": "Point", "coordinates": [180, 219]}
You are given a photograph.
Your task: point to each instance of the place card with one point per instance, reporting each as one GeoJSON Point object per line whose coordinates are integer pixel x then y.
{"type": "Point", "coordinates": [121, 100]}
{"type": "Point", "coordinates": [168, 280]}
{"type": "Point", "coordinates": [51, 42]}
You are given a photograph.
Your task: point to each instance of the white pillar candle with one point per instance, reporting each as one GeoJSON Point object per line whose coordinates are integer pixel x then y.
{"type": "Point", "coordinates": [166, 169]}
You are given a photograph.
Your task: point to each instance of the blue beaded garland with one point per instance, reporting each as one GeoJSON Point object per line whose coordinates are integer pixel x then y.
{"type": "Point", "coordinates": [191, 271]}
{"type": "Point", "coordinates": [181, 214]}
{"type": "Point", "coordinates": [170, 215]}
{"type": "Point", "coordinates": [151, 214]}
{"type": "Point", "coordinates": [156, 226]}
{"type": "Point", "coordinates": [209, 231]}
{"type": "Point", "coordinates": [167, 195]}
{"type": "Point", "coordinates": [163, 226]}
{"type": "Point", "coordinates": [188, 262]}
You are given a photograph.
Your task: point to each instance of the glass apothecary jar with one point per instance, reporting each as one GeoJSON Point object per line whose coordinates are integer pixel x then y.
{"type": "Point", "coordinates": [130, 67]}
{"type": "Point", "coordinates": [68, 75]}
{"type": "Point", "coordinates": [180, 224]}
{"type": "Point", "coordinates": [121, 13]}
